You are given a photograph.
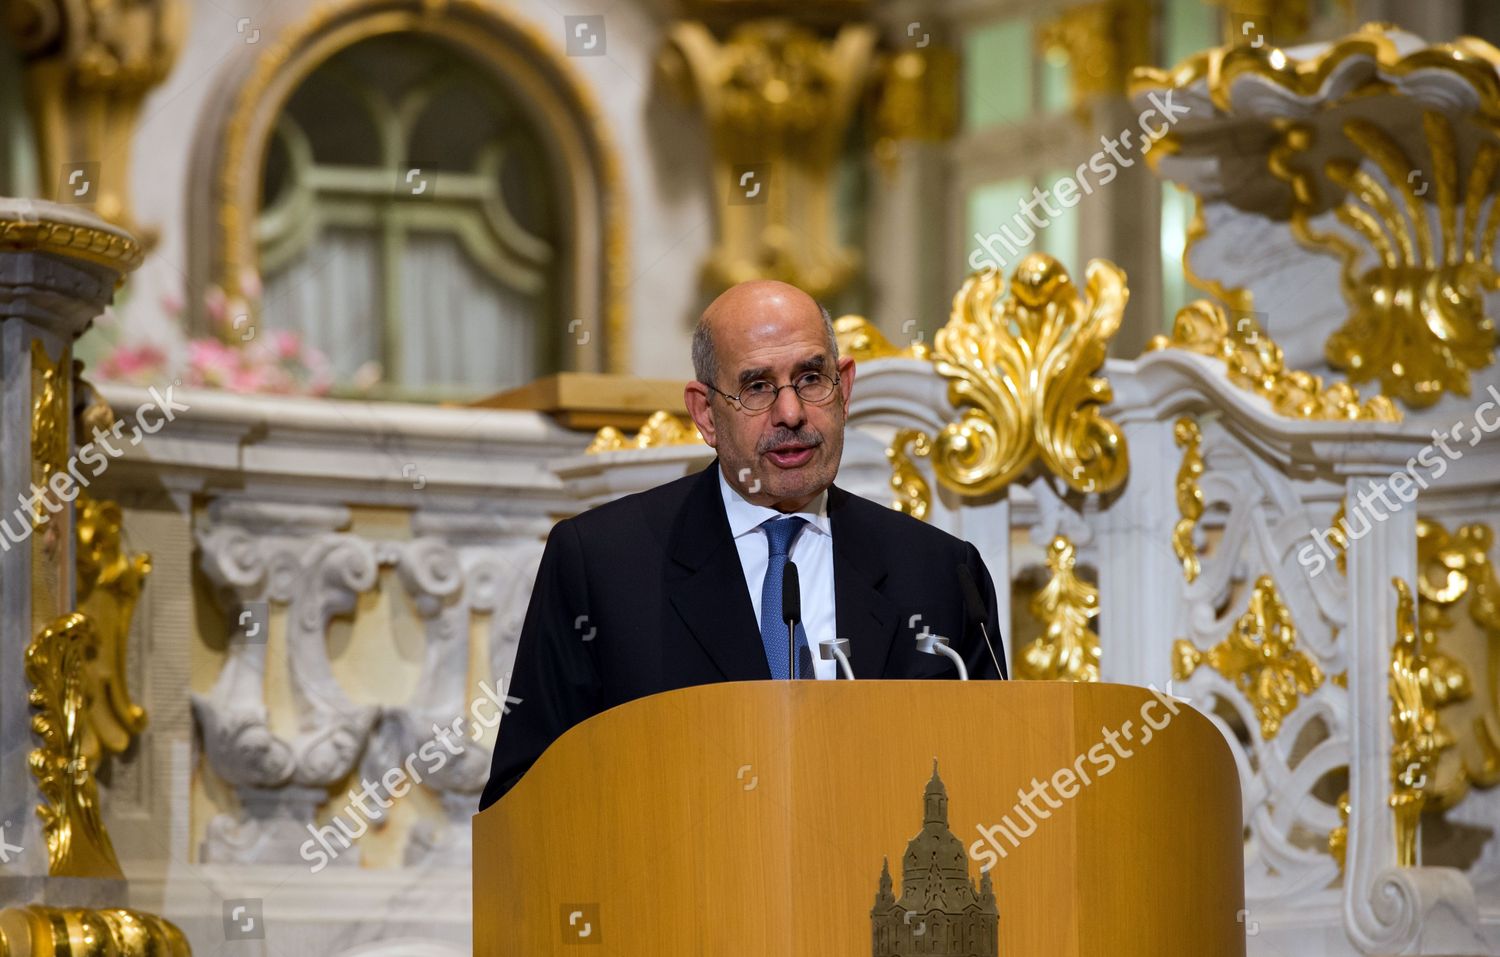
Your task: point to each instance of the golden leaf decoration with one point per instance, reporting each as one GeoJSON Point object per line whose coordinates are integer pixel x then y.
{"type": "Point", "coordinates": [109, 582]}
{"type": "Point", "coordinates": [1260, 657]}
{"type": "Point", "coordinates": [1254, 361]}
{"type": "Point", "coordinates": [1454, 568]}
{"type": "Point", "coordinates": [1418, 734]}
{"type": "Point", "coordinates": [49, 416]}
{"type": "Point", "coordinates": [1417, 318]}
{"type": "Point", "coordinates": [109, 585]}
{"type": "Point", "coordinates": [57, 665]}
{"type": "Point", "coordinates": [859, 339]}
{"type": "Point", "coordinates": [1021, 368]}
{"type": "Point", "coordinates": [1067, 605]}
{"type": "Point", "coordinates": [1189, 496]}
{"type": "Point", "coordinates": [662, 428]}
{"type": "Point", "coordinates": [913, 494]}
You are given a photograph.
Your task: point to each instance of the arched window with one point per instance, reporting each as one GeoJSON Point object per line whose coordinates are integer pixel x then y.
{"type": "Point", "coordinates": [407, 217]}
{"type": "Point", "coordinates": [429, 190]}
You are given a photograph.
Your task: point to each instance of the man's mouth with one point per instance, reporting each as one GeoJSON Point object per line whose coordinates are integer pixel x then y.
{"type": "Point", "coordinates": [791, 456]}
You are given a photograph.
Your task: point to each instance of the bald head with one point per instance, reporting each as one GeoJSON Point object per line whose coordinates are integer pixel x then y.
{"type": "Point", "coordinates": [775, 339]}
{"type": "Point", "coordinates": [748, 304]}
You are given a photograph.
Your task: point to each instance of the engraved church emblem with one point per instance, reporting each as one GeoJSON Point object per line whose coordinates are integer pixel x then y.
{"type": "Point", "coordinates": [939, 913]}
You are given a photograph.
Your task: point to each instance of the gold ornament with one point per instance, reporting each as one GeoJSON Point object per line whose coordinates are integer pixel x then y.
{"type": "Point", "coordinates": [103, 247]}
{"type": "Point", "coordinates": [662, 428]}
{"type": "Point", "coordinates": [1417, 320]}
{"type": "Point", "coordinates": [913, 494]}
{"type": "Point", "coordinates": [1454, 567]}
{"type": "Point", "coordinates": [109, 585]}
{"type": "Point", "coordinates": [1260, 657]}
{"type": "Point", "coordinates": [87, 69]}
{"type": "Point", "coordinates": [1417, 732]}
{"type": "Point", "coordinates": [1189, 496]}
{"type": "Point", "coordinates": [859, 339]}
{"type": "Point", "coordinates": [917, 97]}
{"type": "Point", "coordinates": [1069, 649]}
{"type": "Point", "coordinates": [779, 100]}
{"type": "Point", "coordinates": [1253, 361]}
{"type": "Point", "coordinates": [1103, 42]}
{"type": "Point", "coordinates": [1338, 838]}
{"type": "Point", "coordinates": [1022, 370]}
{"type": "Point", "coordinates": [49, 412]}
{"type": "Point", "coordinates": [57, 665]}
{"type": "Point", "coordinates": [80, 932]}
{"type": "Point", "coordinates": [1472, 60]}
{"type": "Point", "coordinates": [1337, 540]}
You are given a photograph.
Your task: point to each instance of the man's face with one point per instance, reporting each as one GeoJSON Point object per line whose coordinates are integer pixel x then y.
{"type": "Point", "coordinates": [785, 455]}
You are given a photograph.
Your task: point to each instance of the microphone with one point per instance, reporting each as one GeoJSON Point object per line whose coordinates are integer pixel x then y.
{"type": "Point", "coordinates": [933, 644]}
{"type": "Point", "coordinates": [791, 613]}
{"type": "Point", "coordinates": [974, 605]}
{"type": "Point", "coordinates": [837, 648]}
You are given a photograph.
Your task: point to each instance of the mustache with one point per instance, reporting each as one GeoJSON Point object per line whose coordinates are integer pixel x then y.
{"type": "Point", "coordinates": [782, 437]}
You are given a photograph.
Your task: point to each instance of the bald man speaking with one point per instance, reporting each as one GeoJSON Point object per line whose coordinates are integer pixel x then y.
{"type": "Point", "coordinates": [682, 584]}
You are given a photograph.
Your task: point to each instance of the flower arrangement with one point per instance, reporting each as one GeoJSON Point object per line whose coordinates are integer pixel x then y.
{"type": "Point", "coordinates": [238, 357]}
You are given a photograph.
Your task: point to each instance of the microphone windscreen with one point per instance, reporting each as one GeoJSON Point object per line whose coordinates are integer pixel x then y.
{"type": "Point", "coordinates": [973, 601]}
{"type": "Point", "coordinates": [791, 594]}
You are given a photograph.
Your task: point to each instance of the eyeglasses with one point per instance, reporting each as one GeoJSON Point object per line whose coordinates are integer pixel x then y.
{"type": "Point", "coordinates": [814, 388]}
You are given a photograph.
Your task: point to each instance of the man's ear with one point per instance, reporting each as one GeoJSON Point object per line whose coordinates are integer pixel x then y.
{"type": "Point", "coordinates": [696, 397]}
{"type": "Point", "coordinates": [846, 378]}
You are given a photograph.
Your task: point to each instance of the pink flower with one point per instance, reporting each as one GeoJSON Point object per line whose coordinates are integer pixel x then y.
{"type": "Point", "coordinates": [286, 343]}
{"type": "Point", "coordinates": [127, 363]}
{"type": "Point", "coordinates": [251, 379]}
{"type": "Point", "coordinates": [211, 353]}
{"type": "Point", "coordinates": [278, 362]}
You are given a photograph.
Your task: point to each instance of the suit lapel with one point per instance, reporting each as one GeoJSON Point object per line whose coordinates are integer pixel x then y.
{"type": "Point", "coordinates": [706, 584]}
{"type": "Point", "coordinates": [864, 615]}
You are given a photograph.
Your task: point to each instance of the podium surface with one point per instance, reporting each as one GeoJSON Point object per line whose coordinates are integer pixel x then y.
{"type": "Point", "coordinates": [757, 818]}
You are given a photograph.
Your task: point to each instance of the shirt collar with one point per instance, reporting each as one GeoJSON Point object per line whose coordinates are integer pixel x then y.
{"type": "Point", "coordinates": [745, 517]}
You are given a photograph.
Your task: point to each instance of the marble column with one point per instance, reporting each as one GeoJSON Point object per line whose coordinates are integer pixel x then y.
{"type": "Point", "coordinates": [59, 267]}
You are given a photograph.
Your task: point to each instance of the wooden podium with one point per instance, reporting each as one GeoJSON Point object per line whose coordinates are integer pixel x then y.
{"type": "Point", "coordinates": [755, 818]}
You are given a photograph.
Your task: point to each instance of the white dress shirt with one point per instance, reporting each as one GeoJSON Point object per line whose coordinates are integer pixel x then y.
{"type": "Point", "coordinates": [812, 550]}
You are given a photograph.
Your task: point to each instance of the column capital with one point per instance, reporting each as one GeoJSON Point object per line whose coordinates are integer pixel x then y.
{"type": "Point", "coordinates": [59, 264]}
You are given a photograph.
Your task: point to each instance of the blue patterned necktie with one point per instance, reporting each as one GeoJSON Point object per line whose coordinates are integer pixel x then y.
{"type": "Point", "coordinates": [779, 535]}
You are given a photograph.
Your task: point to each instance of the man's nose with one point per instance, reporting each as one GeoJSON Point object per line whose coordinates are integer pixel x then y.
{"type": "Point", "coordinates": [788, 410]}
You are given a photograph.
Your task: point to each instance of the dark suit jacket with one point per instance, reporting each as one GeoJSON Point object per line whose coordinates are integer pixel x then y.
{"type": "Point", "coordinates": [646, 594]}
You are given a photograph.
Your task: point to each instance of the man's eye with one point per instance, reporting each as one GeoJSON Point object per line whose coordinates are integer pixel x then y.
{"type": "Point", "coordinates": [759, 387]}
{"type": "Point", "coordinates": [808, 378]}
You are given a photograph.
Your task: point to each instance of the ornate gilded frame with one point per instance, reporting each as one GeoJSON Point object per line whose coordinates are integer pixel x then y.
{"type": "Point", "coordinates": [568, 119]}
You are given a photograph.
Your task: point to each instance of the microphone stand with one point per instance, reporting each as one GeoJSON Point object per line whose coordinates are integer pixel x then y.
{"type": "Point", "coordinates": [974, 604]}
